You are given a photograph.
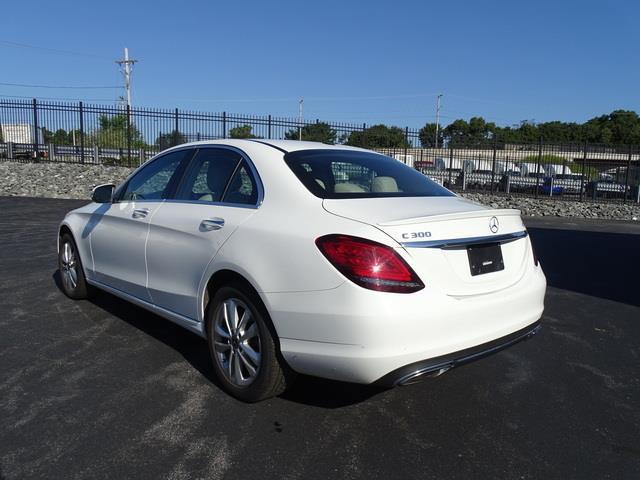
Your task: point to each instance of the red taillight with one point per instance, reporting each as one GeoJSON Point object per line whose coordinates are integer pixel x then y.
{"type": "Point", "coordinates": [369, 264]}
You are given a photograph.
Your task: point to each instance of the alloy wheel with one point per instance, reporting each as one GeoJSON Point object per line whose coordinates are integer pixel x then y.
{"type": "Point", "coordinates": [69, 266]}
{"type": "Point", "coordinates": [237, 343]}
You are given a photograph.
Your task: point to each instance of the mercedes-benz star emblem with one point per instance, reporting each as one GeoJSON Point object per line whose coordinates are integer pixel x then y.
{"type": "Point", "coordinates": [494, 225]}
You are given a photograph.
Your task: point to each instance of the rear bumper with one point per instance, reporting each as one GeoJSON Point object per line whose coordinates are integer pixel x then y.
{"type": "Point", "coordinates": [356, 335]}
{"type": "Point", "coordinates": [436, 366]}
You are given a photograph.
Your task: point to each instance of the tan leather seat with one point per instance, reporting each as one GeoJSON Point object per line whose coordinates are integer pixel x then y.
{"type": "Point", "coordinates": [384, 185]}
{"type": "Point", "coordinates": [348, 188]}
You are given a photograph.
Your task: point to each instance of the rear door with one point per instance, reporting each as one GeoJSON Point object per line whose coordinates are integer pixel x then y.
{"type": "Point", "coordinates": [118, 234]}
{"type": "Point", "coordinates": [220, 190]}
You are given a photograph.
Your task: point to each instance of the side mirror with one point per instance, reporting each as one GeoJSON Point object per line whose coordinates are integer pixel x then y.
{"type": "Point", "coordinates": [103, 193]}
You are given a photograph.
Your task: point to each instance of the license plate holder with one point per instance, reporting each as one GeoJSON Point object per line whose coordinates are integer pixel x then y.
{"type": "Point", "coordinates": [485, 258]}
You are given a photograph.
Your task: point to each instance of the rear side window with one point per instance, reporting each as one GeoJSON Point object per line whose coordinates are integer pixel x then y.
{"type": "Point", "coordinates": [329, 173]}
{"type": "Point", "coordinates": [209, 174]}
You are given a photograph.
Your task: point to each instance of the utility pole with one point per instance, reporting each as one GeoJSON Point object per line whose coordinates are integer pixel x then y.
{"type": "Point", "coordinates": [300, 118]}
{"type": "Point", "coordinates": [126, 66]}
{"type": "Point", "coordinates": [438, 117]}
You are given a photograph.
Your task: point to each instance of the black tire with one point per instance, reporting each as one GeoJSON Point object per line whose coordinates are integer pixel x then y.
{"type": "Point", "coordinates": [273, 376]}
{"type": "Point", "coordinates": [80, 290]}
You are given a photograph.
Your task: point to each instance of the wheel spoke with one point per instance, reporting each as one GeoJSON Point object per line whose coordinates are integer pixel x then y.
{"type": "Point", "coordinates": [247, 364]}
{"type": "Point", "coordinates": [246, 316]}
{"type": "Point", "coordinates": [251, 353]}
{"type": "Point", "coordinates": [237, 372]}
{"type": "Point", "coordinates": [232, 354]}
{"type": "Point", "coordinates": [233, 314]}
{"type": "Point", "coordinates": [221, 346]}
{"type": "Point", "coordinates": [73, 277]}
{"type": "Point", "coordinates": [221, 331]}
{"type": "Point", "coordinates": [230, 312]}
{"type": "Point", "coordinates": [66, 253]}
{"type": "Point", "coordinates": [250, 332]}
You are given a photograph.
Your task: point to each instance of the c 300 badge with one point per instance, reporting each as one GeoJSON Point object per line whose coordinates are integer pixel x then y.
{"type": "Point", "coordinates": [412, 235]}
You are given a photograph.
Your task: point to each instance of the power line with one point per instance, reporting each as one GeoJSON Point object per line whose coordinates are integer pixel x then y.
{"type": "Point", "coordinates": [52, 50]}
{"type": "Point", "coordinates": [59, 98]}
{"type": "Point", "coordinates": [79, 87]}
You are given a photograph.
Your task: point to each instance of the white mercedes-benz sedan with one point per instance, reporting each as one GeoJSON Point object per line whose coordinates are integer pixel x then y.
{"type": "Point", "coordinates": [297, 257]}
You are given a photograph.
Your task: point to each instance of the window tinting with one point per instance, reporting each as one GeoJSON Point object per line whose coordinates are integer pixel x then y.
{"type": "Point", "coordinates": [331, 173]}
{"type": "Point", "coordinates": [242, 188]}
{"type": "Point", "coordinates": [153, 181]}
{"type": "Point", "coordinates": [209, 175]}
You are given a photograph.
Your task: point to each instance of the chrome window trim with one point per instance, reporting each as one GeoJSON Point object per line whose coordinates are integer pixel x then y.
{"type": "Point", "coordinates": [463, 242]}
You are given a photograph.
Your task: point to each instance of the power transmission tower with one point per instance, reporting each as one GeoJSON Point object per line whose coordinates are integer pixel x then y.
{"type": "Point", "coordinates": [126, 67]}
{"type": "Point", "coordinates": [437, 117]}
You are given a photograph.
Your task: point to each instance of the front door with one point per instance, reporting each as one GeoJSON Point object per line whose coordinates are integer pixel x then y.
{"type": "Point", "coordinates": [118, 235]}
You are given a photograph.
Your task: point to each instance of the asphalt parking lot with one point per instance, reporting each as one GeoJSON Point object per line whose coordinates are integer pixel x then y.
{"type": "Point", "coordinates": [103, 389]}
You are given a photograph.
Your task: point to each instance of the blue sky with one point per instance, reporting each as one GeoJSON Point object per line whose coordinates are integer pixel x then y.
{"type": "Point", "coordinates": [360, 61]}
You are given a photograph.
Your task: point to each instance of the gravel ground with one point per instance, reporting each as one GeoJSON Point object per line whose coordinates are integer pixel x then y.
{"type": "Point", "coordinates": [75, 181]}
{"type": "Point", "coordinates": [535, 207]}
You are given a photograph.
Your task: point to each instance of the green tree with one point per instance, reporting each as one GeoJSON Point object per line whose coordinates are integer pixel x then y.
{"type": "Point", "coordinates": [242, 131]}
{"type": "Point", "coordinates": [379, 136]}
{"type": "Point", "coordinates": [314, 132]}
{"type": "Point", "coordinates": [167, 140]}
{"type": "Point", "coordinates": [427, 136]}
{"type": "Point", "coordinates": [112, 132]}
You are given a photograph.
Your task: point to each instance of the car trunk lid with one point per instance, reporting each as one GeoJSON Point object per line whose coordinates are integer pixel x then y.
{"type": "Point", "coordinates": [457, 246]}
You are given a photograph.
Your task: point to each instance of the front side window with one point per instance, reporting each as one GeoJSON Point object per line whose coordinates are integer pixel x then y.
{"type": "Point", "coordinates": [329, 173]}
{"type": "Point", "coordinates": [154, 180]}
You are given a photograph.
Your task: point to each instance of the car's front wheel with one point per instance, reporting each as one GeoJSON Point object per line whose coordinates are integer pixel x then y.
{"type": "Point", "coordinates": [243, 346]}
{"type": "Point", "coordinates": [72, 277]}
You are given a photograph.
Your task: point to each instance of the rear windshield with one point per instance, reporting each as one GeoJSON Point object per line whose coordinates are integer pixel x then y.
{"type": "Point", "coordinates": [329, 173]}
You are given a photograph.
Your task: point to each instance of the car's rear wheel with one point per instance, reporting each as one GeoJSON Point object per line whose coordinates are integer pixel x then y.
{"type": "Point", "coordinates": [74, 284]}
{"type": "Point", "coordinates": [243, 345]}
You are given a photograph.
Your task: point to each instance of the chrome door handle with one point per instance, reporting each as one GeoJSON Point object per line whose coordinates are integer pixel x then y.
{"type": "Point", "coordinates": [215, 223]}
{"type": "Point", "coordinates": [140, 212]}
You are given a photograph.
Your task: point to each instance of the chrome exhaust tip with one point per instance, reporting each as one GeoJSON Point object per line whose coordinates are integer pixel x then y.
{"type": "Point", "coordinates": [421, 374]}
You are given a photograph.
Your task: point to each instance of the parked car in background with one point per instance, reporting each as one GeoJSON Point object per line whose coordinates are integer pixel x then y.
{"type": "Point", "coordinates": [298, 257]}
{"type": "Point", "coordinates": [607, 188]}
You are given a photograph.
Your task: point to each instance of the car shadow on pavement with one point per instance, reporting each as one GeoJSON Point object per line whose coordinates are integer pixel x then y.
{"type": "Point", "coordinates": [599, 264]}
{"type": "Point", "coordinates": [306, 390]}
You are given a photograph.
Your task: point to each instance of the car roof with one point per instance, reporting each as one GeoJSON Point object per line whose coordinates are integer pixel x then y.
{"type": "Point", "coordinates": [283, 145]}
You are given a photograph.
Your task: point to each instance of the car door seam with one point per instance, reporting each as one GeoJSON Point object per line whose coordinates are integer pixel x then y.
{"type": "Point", "coordinates": [146, 242]}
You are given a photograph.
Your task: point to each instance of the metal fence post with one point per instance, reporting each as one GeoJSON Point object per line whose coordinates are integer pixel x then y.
{"type": "Point", "coordinates": [493, 163]}
{"type": "Point", "coordinates": [626, 181]}
{"type": "Point", "coordinates": [584, 167]}
{"type": "Point", "coordinates": [364, 135]}
{"type": "Point", "coordinates": [176, 126]}
{"type": "Point", "coordinates": [35, 129]}
{"type": "Point", "coordinates": [81, 134]}
{"type": "Point", "coordinates": [10, 150]}
{"type": "Point", "coordinates": [450, 163]}
{"type": "Point", "coordinates": [538, 167]}
{"type": "Point", "coordinates": [269, 127]}
{"type": "Point", "coordinates": [406, 144]}
{"type": "Point", "coordinates": [128, 135]}
{"type": "Point", "coordinates": [224, 124]}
